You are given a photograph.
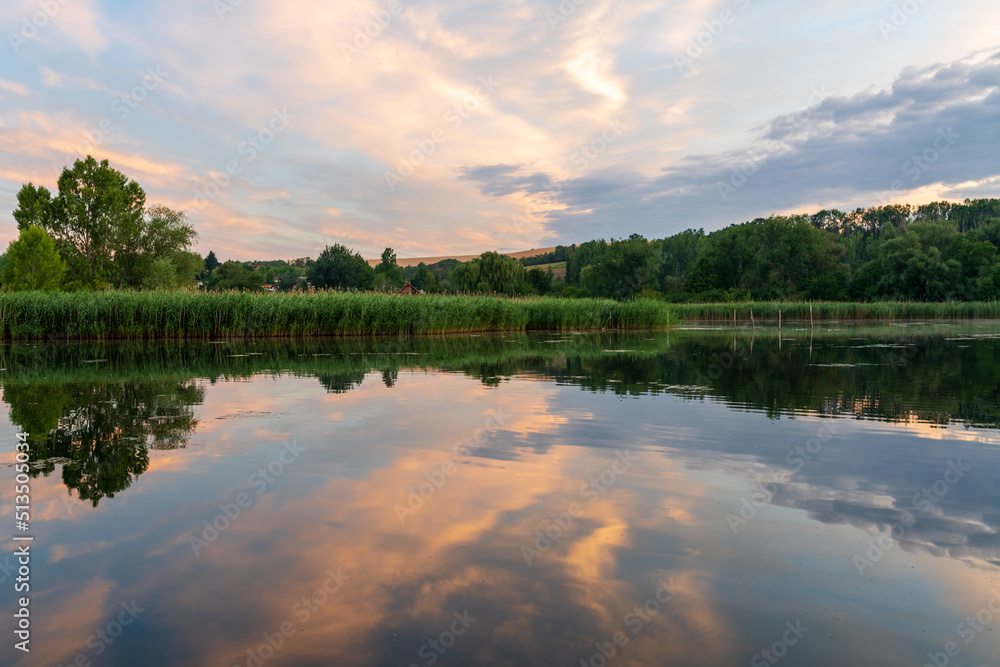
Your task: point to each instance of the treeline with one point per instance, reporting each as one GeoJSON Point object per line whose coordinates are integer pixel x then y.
{"type": "Point", "coordinates": [97, 232]}
{"type": "Point", "coordinates": [935, 252]}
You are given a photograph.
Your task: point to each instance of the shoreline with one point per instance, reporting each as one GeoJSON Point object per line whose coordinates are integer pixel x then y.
{"type": "Point", "coordinates": [127, 316]}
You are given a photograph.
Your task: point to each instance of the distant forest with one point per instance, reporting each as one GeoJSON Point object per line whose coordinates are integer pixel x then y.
{"type": "Point", "coordinates": [935, 252]}
{"type": "Point", "coordinates": [96, 232]}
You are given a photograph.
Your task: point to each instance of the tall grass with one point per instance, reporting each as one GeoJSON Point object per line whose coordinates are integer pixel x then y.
{"type": "Point", "coordinates": [804, 311]}
{"type": "Point", "coordinates": [149, 315]}
{"type": "Point", "coordinates": [125, 315]}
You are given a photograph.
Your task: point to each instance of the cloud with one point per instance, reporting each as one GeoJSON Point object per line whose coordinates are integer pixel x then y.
{"type": "Point", "coordinates": [16, 88]}
{"type": "Point", "coordinates": [524, 147]}
{"type": "Point", "coordinates": [934, 130]}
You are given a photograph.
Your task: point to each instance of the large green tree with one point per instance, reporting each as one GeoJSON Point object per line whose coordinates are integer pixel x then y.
{"type": "Point", "coordinates": [97, 209]}
{"type": "Point", "coordinates": [234, 276]}
{"type": "Point", "coordinates": [624, 268]}
{"type": "Point", "coordinates": [162, 233]}
{"type": "Point", "coordinates": [490, 272]}
{"type": "Point", "coordinates": [678, 255]}
{"type": "Point", "coordinates": [931, 261]}
{"type": "Point", "coordinates": [388, 268]}
{"type": "Point", "coordinates": [101, 225]}
{"type": "Point", "coordinates": [32, 262]}
{"type": "Point", "coordinates": [287, 278]}
{"type": "Point", "coordinates": [211, 261]}
{"type": "Point", "coordinates": [337, 267]}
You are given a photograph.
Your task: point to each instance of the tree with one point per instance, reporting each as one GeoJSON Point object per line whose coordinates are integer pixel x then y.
{"type": "Point", "coordinates": [581, 256]}
{"type": "Point", "coordinates": [188, 266]}
{"type": "Point", "coordinates": [33, 263]}
{"type": "Point", "coordinates": [162, 274]}
{"type": "Point", "coordinates": [101, 226]}
{"type": "Point", "coordinates": [931, 261]}
{"type": "Point", "coordinates": [163, 233]}
{"type": "Point", "coordinates": [177, 270]}
{"type": "Point", "coordinates": [338, 267]}
{"type": "Point", "coordinates": [389, 268]}
{"type": "Point", "coordinates": [287, 278]}
{"type": "Point", "coordinates": [166, 232]}
{"type": "Point", "coordinates": [624, 269]}
{"type": "Point", "coordinates": [490, 272]}
{"type": "Point", "coordinates": [232, 275]}
{"type": "Point", "coordinates": [211, 261]}
{"type": "Point", "coordinates": [539, 280]}
{"type": "Point", "coordinates": [34, 207]}
{"type": "Point", "coordinates": [381, 283]}
{"type": "Point", "coordinates": [679, 253]}
{"type": "Point", "coordinates": [98, 209]}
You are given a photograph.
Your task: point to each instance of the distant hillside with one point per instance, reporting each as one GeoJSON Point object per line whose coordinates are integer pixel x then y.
{"type": "Point", "coordinates": [414, 261]}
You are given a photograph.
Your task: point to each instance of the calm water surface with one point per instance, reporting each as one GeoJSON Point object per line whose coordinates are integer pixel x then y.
{"type": "Point", "coordinates": [702, 497]}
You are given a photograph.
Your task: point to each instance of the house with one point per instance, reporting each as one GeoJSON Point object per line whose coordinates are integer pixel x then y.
{"type": "Point", "coordinates": [408, 289]}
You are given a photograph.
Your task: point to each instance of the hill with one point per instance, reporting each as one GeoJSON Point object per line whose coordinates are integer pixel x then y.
{"type": "Point", "coordinates": [414, 261]}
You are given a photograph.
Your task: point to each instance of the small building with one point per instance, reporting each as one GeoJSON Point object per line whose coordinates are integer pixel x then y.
{"type": "Point", "coordinates": [408, 289]}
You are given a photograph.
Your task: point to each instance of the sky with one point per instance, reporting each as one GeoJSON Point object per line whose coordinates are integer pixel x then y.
{"type": "Point", "coordinates": [457, 127]}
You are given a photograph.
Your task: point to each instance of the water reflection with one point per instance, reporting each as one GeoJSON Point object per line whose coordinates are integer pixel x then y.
{"type": "Point", "coordinates": [817, 445]}
{"type": "Point", "coordinates": [99, 432]}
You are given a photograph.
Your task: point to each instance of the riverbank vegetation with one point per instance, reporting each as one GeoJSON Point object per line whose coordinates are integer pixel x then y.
{"type": "Point", "coordinates": [96, 233]}
{"type": "Point", "coordinates": [186, 314]}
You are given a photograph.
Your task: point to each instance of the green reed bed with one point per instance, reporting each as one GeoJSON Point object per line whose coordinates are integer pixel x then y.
{"type": "Point", "coordinates": [804, 311]}
{"type": "Point", "coordinates": [149, 315]}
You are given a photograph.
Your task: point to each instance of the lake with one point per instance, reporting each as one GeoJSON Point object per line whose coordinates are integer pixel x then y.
{"type": "Point", "coordinates": [694, 497]}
